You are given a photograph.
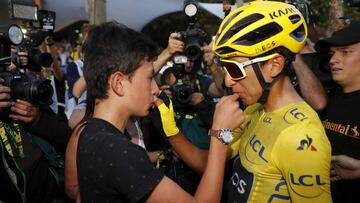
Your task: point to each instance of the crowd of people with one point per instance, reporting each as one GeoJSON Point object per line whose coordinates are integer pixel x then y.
{"type": "Point", "coordinates": [131, 122]}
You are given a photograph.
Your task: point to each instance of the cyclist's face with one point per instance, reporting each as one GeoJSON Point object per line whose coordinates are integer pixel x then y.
{"type": "Point", "coordinates": [248, 88]}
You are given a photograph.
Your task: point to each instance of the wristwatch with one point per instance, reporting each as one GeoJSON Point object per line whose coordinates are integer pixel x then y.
{"type": "Point", "coordinates": [224, 135]}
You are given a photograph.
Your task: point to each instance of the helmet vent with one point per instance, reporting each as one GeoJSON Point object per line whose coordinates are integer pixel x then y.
{"type": "Point", "coordinates": [225, 50]}
{"type": "Point", "coordinates": [299, 33]}
{"type": "Point", "coordinates": [294, 19]}
{"type": "Point", "coordinates": [230, 19]}
{"type": "Point", "coordinates": [241, 24]}
{"type": "Point", "coordinates": [258, 35]}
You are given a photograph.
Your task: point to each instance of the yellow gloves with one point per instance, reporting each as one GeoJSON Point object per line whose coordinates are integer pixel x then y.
{"type": "Point", "coordinates": [168, 119]}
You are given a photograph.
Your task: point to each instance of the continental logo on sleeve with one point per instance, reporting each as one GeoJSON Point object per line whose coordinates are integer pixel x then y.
{"type": "Point", "coordinates": [344, 129]}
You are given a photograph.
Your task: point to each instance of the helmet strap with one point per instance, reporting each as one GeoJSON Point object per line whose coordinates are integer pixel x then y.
{"type": "Point", "coordinates": [266, 86]}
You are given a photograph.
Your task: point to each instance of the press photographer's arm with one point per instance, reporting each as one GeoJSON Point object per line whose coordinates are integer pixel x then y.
{"type": "Point", "coordinates": [174, 45]}
{"type": "Point", "coordinates": [50, 48]}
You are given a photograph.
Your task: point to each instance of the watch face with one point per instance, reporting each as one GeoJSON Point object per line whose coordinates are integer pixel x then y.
{"type": "Point", "coordinates": [227, 137]}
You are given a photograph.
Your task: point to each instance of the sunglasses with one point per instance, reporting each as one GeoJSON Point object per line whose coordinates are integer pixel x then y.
{"type": "Point", "coordinates": [236, 70]}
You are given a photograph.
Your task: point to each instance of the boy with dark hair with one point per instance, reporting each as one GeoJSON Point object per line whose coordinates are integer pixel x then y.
{"type": "Point", "coordinates": [119, 74]}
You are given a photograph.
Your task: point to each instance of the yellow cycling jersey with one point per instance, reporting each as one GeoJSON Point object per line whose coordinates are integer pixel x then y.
{"type": "Point", "coordinates": [280, 156]}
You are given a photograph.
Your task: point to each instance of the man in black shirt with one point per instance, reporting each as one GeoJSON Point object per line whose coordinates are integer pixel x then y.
{"type": "Point", "coordinates": [341, 114]}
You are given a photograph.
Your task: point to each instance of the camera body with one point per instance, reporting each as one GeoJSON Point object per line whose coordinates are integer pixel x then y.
{"type": "Point", "coordinates": [173, 76]}
{"type": "Point", "coordinates": [37, 92]}
{"type": "Point", "coordinates": [193, 38]}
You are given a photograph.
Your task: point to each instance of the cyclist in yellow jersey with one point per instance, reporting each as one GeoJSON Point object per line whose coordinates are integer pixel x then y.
{"type": "Point", "coordinates": [280, 151]}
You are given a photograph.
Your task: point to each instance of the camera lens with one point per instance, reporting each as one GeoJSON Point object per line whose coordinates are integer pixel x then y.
{"type": "Point", "coordinates": [38, 92]}
{"type": "Point", "coordinates": [183, 94]}
{"type": "Point", "coordinates": [193, 51]}
{"type": "Point", "coordinates": [41, 92]}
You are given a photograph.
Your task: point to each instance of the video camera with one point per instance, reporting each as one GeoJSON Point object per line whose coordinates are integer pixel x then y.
{"type": "Point", "coordinates": [193, 37]}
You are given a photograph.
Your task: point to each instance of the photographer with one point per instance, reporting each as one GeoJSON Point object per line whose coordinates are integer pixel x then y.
{"type": "Point", "coordinates": [30, 167]}
{"type": "Point", "coordinates": [57, 77]}
{"type": "Point", "coordinates": [192, 104]}
{"type": "Point", "coordinates": [25, 169]}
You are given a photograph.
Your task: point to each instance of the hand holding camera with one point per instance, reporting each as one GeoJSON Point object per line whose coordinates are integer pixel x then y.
{"type": "Point", "coordinates": [175, 44]}
{"type": "Point", "coordinates": [197, 98]}
{"type": "Point", "coordinates": [4, 95]}
{"type": "Point", "coordinates": [19, 110]}
{"type": "Point", "coordinates": [24, 111]}
{"type": "Point", "coordinates": [208, 55]}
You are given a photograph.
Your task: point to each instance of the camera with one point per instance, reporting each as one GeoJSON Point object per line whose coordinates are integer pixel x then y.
{"type": "Point", "coordinates": [38, 92]}
{"type": "Point", "coordinates": [193, 38]}
{"type": "Point", "coordinates": [181, 94]}
{"type": "Point", "coordinates": [36, 59]}
{"type": "Point", "coordinates": [34, 35]}
{"type": "Point", "coordinates": [173, 76]}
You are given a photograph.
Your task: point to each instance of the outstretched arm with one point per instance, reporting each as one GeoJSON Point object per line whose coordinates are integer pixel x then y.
{"type": "Point", "coordinates": [174, 45]}
{"type": "Point", "coordinates": [227, 115]}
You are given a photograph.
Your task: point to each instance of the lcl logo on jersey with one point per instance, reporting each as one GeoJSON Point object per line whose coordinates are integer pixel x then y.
{"type": "Point", "coordinates": [306, 185]}
{"type": "Point", "coordinates": [258, 148]}
{"type": "Point", "coordinates": [294, 115]}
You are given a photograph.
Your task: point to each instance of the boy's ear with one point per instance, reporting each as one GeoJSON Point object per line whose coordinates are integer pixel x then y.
{"type": "Point", "coordinates": [117, 81]}
{"type": "Point", "coordinates": [277, 65]}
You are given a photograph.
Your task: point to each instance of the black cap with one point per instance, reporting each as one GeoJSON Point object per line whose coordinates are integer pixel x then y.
{"type": "Point", "coordinates": [346, 36]}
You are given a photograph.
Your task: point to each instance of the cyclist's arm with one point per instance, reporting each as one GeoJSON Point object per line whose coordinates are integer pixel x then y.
{"type": "Point", "coordinates": [303, 155]}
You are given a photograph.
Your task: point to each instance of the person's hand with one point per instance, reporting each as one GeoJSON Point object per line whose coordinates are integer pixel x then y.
{"type": "Point", "coordinates": [196, 98]}
{"type": "Point", "coordinates": [208, 55]}
{"type": "Point", "coordinates": [175, 44]}
{"type": "Point", "coordinates": [4, 95]}
{"type": "Point", "coordinates": [344, 167]}
{"type": "Point", "coordinates": [166, 89]}
{"type": "Point", "coordinates": [24, 111]}
{"type": "Point", "coordinates": [167, 118]}
{"type": "Point", "coordinates": [228, 113]}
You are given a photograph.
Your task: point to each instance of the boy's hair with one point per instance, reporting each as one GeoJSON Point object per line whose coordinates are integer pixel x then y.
{"type": "Point", "coordinates": [112, 47]}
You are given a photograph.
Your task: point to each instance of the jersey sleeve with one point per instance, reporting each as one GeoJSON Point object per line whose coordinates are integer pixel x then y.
{"type": "Point", "coordinates": [303, 154]}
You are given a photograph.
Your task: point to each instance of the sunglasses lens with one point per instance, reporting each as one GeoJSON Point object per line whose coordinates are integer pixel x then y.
{"type": "Point", "coordinates": [233, 70]}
